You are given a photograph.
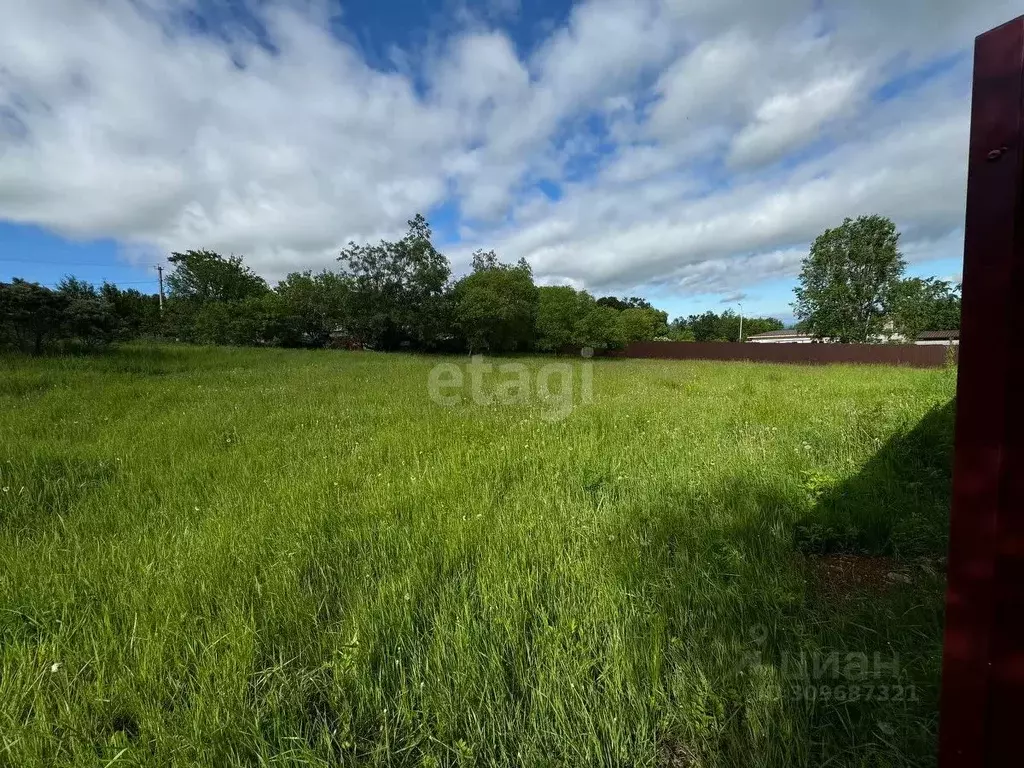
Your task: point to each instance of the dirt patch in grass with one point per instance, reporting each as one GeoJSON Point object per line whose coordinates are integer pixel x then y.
{"type": "Point", "coordinates": [842, 576]}
{"type": "Point", "coordinates": [673, 754]}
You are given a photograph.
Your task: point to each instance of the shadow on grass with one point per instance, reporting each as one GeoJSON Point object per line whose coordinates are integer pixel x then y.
{"type": "Point", "coordinates": [800, 677]}
{"type": "Point", "coordinates": [898, 504]}
{"type": "Point", "coordinates": [759, 657]}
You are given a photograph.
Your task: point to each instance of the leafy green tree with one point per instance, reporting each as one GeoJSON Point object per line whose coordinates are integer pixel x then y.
{"type": "Point", "coordinates": [397, 289]}
{"type": "Point", "coordinates": [87, 316]}
{"type": "Point", "coordinates": [710, 326]}
{"type": "Point", "coordinates": [31, 315]}
{"type": "Point", "coordinates": [925, 304]}
{"type": "Point", "coordinates": [496, 305]}
{"type": "Point", "coordinates": [559, 310]}
{"type": "Point", "coordinates": [679, 330]}
{"type": "Point", "coordinates": [211, 321]}
{"type": "Point", "coordinates": [73, 288]}
{"type": "Point", "coordinates": [638, 324]}
{"type": "Point", "coordinates": [677, 333]}
{"type": "Point", "coordinates": [704, 327]}
{"type": "Point", "coordinates": [729, 326]}
{"type": "Point", "coordinates": [202, 276]}
{"type": "Point", "coordinates": [178, 321]}
{"type": "Point", "coordinates": [633, 302]}
{"type": "Point", "coordinates": [136, 314]}
{"type": "Point", "coordinates": [660, 319]}
{"type": "Point", "coordinates": [255, 321]}
{"type": "Point", "coordinates": [849, 279]}
{"type": "Point", "coordinates": [600, 329]}
{"type": "Point", "coordinates": [312, 307]}
{"type": "Point", "coordinates": [613, 302]}
{"type": "Point", "coordinates": [260, 320]}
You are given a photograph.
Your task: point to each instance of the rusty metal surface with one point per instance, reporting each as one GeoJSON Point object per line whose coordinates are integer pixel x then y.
{"type": "Point", "coordinates": [982, 721]}
{"type": "Point", "coordinates": [923, 356]}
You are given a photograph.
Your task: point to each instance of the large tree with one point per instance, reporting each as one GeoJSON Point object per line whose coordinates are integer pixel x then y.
{"type": "Point", "coordinates": [559, 309]}
{"type": "Point", "coordinates": [313, 306]}
{"type": "Point", "coordinates": [202, 276]}
{"type": "Point", "coordinates": [705, 327]}
{"type": "Point", "coordinates": [397, 288]}
{"type": "Point", "coordinates": [496, 305]}
{"type": "Point", "coordinates": [642, 324]}
{"type": "Point", "coordinates": [849, 279]}
{"type": "Point", "coordinates": [600, 329]}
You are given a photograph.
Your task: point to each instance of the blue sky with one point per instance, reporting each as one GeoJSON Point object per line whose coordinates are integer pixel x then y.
{"type": "Point", "coordinates": [684, 150]}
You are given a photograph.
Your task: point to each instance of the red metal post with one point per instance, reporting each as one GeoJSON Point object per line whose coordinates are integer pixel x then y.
{"type": "Point", "coordinates": [982, 720]}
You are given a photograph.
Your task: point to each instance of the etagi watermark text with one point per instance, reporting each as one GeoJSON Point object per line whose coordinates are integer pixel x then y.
{"type": "Point", "coordinates": [555, 387]}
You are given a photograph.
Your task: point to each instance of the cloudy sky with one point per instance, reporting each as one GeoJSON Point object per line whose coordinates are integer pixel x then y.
{"type": "Point", "coordinates": [684, 150]}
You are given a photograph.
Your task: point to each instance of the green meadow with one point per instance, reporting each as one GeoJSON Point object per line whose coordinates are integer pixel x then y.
{"type": "Point", "coordinates": [265, 557]}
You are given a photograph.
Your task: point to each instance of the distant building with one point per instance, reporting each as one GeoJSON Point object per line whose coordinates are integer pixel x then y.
{"type": "Point", "coordinates": [945, 338]}
{"type": "Point", "coordinates": [782, 337]}
{"type": "Point", "coordinates": [790, 336]}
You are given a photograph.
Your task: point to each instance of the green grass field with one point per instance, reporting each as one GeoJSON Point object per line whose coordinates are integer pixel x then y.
{"type": "Point", "coordinates": [268, 557]}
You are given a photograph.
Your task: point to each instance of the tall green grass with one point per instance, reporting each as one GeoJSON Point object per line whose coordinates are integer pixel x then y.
{"type": "Point", "coordinates": [267, 557]}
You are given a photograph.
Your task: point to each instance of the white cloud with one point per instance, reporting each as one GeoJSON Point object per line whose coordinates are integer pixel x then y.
{"type": "Point", "coordinates": [604, 46]}
{"type": "Point", "coordinates": [758, 230]}
{"type": "Point", "coordinates": [163, 139]}
{"type": "Point", "coordinates": [790, 120]}
{"type": "Point", "coordinates": [732, 133]}
{"type": "Point", "coordinates": [638, 163]}
{"type": "Point", "coordinates": [704, 85]}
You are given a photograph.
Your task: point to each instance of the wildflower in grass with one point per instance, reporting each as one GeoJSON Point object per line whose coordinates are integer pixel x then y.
{"type": "Point", "coordinates": [54, 667]}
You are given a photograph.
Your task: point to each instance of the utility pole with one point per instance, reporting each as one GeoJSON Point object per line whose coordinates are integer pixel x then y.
{"type": "Point", "coordinates": [741, 322]}
{"type": "Point", "coordinates": [160, 272]}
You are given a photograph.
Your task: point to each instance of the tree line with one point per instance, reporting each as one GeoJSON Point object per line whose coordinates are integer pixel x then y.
{"type": "Point", "coordinates": [387, 296]}
{"type": "Point", "coordinates": [34, 318]}
{"type": "Point", "coordinates": [401, 295]}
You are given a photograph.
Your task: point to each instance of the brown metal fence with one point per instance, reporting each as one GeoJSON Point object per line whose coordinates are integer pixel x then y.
{"type": "Point", "coordinates": [917, 356]}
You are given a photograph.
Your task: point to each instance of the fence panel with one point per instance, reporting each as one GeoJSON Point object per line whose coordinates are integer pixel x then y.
{"type": "Point", "coordinates": [917, 356]}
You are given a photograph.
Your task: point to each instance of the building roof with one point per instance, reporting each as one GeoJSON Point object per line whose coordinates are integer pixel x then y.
{"type": "Point", "coordinates": [778, 334]}
{"type": "Point", "coordinates": [791, 333]}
